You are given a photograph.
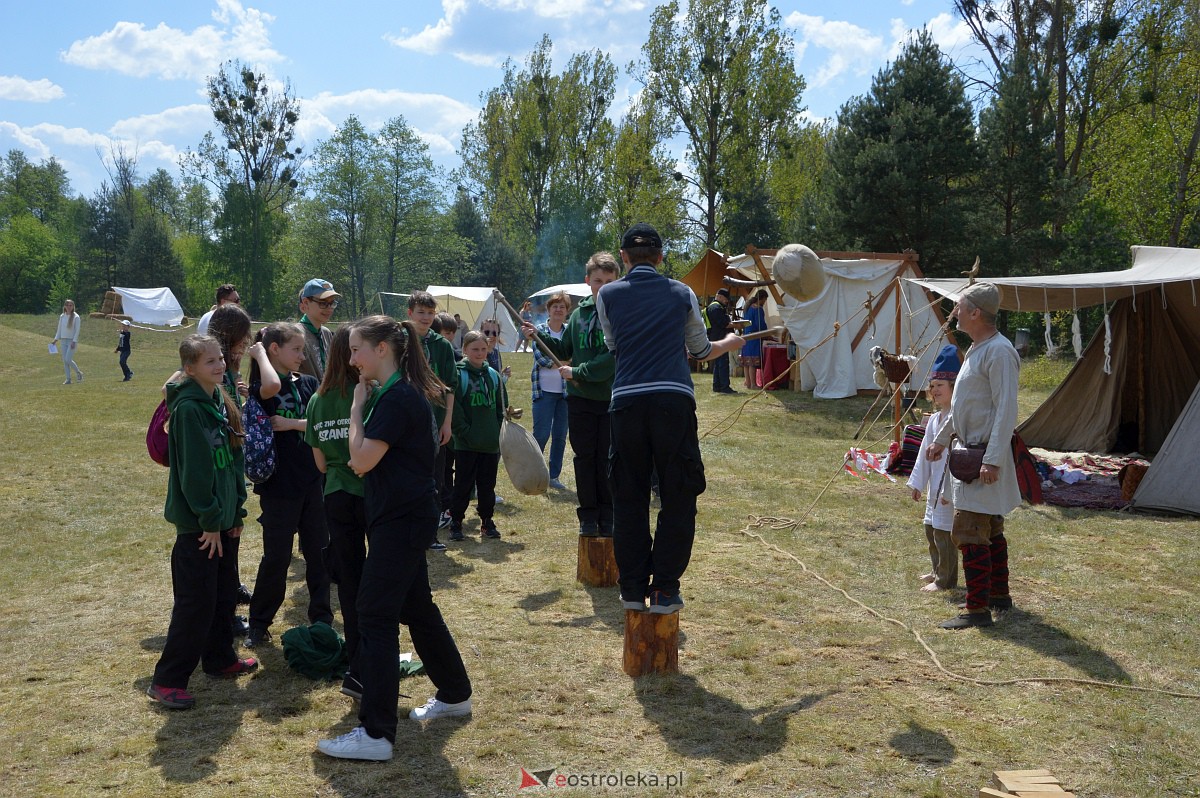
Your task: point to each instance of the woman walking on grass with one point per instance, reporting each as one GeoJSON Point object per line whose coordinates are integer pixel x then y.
{"type": "Point", "coordinates": [67, 339]}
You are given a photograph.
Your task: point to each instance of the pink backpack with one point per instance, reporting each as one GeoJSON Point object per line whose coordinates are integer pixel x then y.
{"type": "Point", "coordinates": [156, 435]}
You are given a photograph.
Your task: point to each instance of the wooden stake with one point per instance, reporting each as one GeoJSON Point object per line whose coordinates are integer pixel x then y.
{"type": "Point", "coordinates": [596, 566]}
{"type": "Point", "coordinates": [651, 643]}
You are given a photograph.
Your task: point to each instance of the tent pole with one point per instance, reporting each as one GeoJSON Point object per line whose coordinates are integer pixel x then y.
{"type": "Point", "coordinates": [1141, 376]}
{"type": "Point", "coordinates": [752, 251]}
{"type": "Point", "coordinates": [898, 397]}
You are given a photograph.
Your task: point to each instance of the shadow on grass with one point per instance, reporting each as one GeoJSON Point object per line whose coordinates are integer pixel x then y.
{"type": "Point", "coordinates": [1029, 629]}
{"type": "Point", "coordinates": [923, 745]}
{"type": "Point", "coordinates": [700, 724]}
{"type": "Point", "coordinates": [419, 765]}
{"type": "Point", "coordinates": [187, 743]}
{"type": "Point", "coordinates": [487, 550]}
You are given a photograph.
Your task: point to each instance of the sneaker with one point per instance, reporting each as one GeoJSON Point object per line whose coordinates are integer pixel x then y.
{"type": "Point", "coordinates": [236, 668]}
{"type": "Point", "coordinates": [357, 744]}
{"type": "Point", "coordinates": [499, 499]}
{"type": "Point", "coordinates": [437, 545]}
{"type": "Point", "coordinates": [445, 521]}
{"type": "Point", "coordinates": [557, 484]}
{"type": "Point", "coordinates": [605, 531]}
{"type": "Point", "coordinates": [637, 606]}
{"type": "Point", "coordinates": [456, 532]}
{"type": "Point", "coordinates": [352, 687]}
{"type": "Point", "coordinates": [240, 626]}
{"type": "Point", "coordinates": [966, 620]}
{"type": "Point", "coordinates": [243, 594]}
{"type": "Point", "coordinates": [68, 382]}
{"type": "Point", "coordinates": [256, 637]}
{"type": "Point", "coordinates": [79, 378]}
{"type": "Point", "coordinates": [662, 603]}
{"type": "Point", "coordinates": [435, 709]}
{"type": "Point", "coordinates": [589, 529]}
{"type": "Point", "coordinates": [488, 529]}
{"type": "Point", "coordinates": [171, 697]}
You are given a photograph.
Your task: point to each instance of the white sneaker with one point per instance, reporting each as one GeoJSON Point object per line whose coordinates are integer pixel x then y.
{"type": "Point", "coordinates": [357, 744]}
{"type": "Point", "coordinates": [434, 709]}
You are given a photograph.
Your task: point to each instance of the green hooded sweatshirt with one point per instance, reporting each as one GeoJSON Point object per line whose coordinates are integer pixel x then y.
{"type": "Point", "coordinates": [479, 403]}
{"type": "Point", "coordinates": [592, 363]}
{"type": "Point", "coordinates": [205, 490]}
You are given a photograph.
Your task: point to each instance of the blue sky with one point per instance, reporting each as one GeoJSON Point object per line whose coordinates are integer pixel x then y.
{"type": "Point", "coordinates": [80, 79]}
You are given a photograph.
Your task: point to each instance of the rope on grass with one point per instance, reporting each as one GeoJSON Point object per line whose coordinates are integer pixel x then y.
{"type": "Point", "coordinates": [773, 522]}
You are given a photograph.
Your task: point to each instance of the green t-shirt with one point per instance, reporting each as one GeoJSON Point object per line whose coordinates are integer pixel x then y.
{"type": "Point", "coordinates": [440, 354]}
{"type": "Point", "coordinates": [329, 430]}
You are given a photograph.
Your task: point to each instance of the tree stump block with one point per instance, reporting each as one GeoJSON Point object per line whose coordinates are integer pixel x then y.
{"type": "Point", "coordinates": [651, 643]}
{"type": "Point", "coordinates": [596, 566]}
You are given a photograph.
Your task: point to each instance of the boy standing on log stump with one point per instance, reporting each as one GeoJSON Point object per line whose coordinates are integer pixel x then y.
{"type": "Point", "coordinates": [650, 324]}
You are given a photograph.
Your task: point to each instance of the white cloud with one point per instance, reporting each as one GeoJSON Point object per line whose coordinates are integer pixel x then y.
{"type": "Point", "coordinates": [34, 91]}
{"type": "Point", "coordinates": [183, 118]}
{"type": "Point", "coordinates": [437, 119]}
{"type": "Point", "coordinates": [950, 32]}
{"type": "Point", "coordinates": [34, 146]}
{"type": "Point", "coordinates": [852, 49]}
{"type": "Point", "coordinates": [169, 53]}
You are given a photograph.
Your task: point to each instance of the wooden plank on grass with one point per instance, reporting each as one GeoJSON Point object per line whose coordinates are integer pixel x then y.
{"type": "Point", "coordinates": [988, 792]}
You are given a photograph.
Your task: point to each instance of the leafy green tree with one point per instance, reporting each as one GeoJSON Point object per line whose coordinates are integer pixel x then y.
{"type": "Point", "coordinates": [41, 190]}
{"type": "Point", "coordinates": [345, 189]}
{"type": "Point", "coordinates": [255, 166]}
{"type": "Point", "coordinates": [640, 179]}
{"type": "Point", "coordinates": [724, 73]}
{"type": "Point", "coordinates": [903, 156]}
{"type": "Point", "coordinates": [149, 261]}
{"type": "Point", "coordinates": [1017, 187]}
{"type": "Point", "coordinates": [30, 260]}
{"type": "Point", "coordinates": [490, 260]}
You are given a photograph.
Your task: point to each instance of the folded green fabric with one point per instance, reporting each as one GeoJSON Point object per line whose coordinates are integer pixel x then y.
{"type": "Point", "coordinates": [316, 651]}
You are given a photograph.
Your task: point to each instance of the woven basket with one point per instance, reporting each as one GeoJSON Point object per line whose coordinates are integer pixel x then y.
{"type": "Point", "coordinates": [896, 369]}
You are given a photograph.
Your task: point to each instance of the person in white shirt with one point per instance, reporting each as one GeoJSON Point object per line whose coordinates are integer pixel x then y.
{"type": "Point", "coordinates": [67, 339]}
{"type": "Point", "coordinates": [226, 295]}
{"type": "Point", "coordinates": [930, 476]}
{"type": "Point", "coordinates": [983, 410]}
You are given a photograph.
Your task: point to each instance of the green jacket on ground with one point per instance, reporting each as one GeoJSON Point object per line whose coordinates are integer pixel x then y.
{"type": "Point", "coordinates": [592, 362]}
{"type": "Point", "coordinates": [205, 490]}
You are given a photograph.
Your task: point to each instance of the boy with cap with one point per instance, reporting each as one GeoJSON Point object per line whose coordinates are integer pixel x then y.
{"type": "Point", "coordinates": [983, 410]}
{"type": "Point", "coordinates": [123, 350]}
{"type": "Point", "coordinates": [718, 328]}
{"type": "Point", "coordinates": [927, 475]}
{"type": "Point", "coordinates": [318, 300]}
{"type": "Point", "coordinates": [653, 420]}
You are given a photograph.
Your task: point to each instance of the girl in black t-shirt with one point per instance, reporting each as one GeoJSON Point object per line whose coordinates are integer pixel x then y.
{"type": "Point", "coordinates": [291, 500]}
{"type": "Point", "coordinates": [393, 442]}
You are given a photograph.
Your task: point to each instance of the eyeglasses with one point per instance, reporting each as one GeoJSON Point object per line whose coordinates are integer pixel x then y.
{"type": "Point", "coordinates": [491, 333]}
{"type": "Point", "coordinates": [326, 304]}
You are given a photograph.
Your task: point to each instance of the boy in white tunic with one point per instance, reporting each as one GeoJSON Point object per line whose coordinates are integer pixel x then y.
{"type": "Point", "coordinates": [930, 476]}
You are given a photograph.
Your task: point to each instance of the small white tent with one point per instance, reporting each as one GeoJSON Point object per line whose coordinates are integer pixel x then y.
{"type": "Point", "coordinates": [577, 290]}
{"type": "Point", "coordinates": [842, 366]}
{"type": "Point", "coordinates": [151, 305]}
{"type": "Point", "coordinates": [474, 305]}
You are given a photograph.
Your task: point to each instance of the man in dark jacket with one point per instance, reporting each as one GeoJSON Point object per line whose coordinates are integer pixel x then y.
{"type": "Point", "coordinates": [718, 328]}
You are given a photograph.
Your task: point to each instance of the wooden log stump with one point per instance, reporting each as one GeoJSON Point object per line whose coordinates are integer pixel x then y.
{"type": "Point", "coordinates": [596, 566]}
{"type": "Point", "coordinates": [651, 643]}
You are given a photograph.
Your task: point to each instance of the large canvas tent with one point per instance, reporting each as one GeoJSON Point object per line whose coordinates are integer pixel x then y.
{"type": "Point", "coordinates": [842, 366]}
{"type": "Point", "coordinates": [1138, 371]}
{"type": "Point", "coordinates": [474, 305]}
{"type": "Point", "coordinates": [151, 306]}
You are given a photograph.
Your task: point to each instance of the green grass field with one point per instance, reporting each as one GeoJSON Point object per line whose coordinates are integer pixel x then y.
{"type": "Point", "coordinates": [785, 688]}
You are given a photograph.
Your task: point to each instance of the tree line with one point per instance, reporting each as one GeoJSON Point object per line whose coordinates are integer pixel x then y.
{"type": "Point", "coordinates": [1074, 136]}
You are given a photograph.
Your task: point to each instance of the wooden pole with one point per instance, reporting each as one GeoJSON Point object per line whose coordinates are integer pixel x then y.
{"type": "Point", "coordinates": [898, 397]}
{"type": "Point", "coordinates": [752, 251]}
{"type": "Point", "coordinates": [651, 643]}
{"type": "Point", "coordinates": [517, 320]}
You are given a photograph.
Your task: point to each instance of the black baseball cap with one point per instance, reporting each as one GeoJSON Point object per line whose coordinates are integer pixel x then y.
{"type": "Point", "coordinates": [641, 235]}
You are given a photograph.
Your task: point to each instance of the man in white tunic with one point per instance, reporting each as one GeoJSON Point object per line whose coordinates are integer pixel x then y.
{"type": "Point", "coordinates": [983, 410]}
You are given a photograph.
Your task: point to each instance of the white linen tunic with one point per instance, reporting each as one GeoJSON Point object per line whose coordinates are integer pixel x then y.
{"type": "Point", "coordinates": [983, 409]}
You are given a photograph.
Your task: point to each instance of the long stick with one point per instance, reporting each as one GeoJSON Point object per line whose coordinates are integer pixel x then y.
{"type": "Point", "coordinates": [517, 321]}
{"type": "Point", "coordinates": [770, 332]}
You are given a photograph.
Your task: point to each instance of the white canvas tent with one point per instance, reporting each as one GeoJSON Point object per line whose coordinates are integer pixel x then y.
{"type": "Point", "coordinates": [474, 305]}
{"type": "Point", "coordinates": [151, 306]}
{"type": "Point", "coordinates": [1130, 388]}
{"type": "Point", "coordinates": [577, 290]}
{"type": "Point", "coordinates": [842, 366]}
